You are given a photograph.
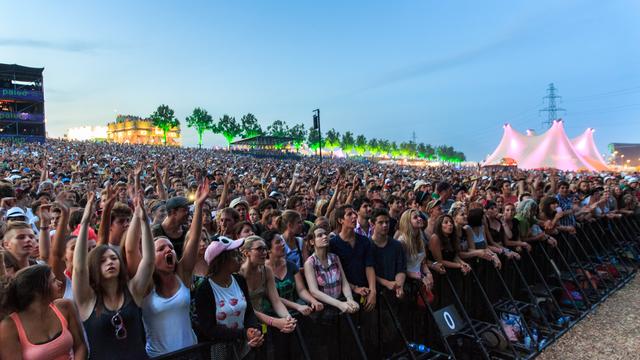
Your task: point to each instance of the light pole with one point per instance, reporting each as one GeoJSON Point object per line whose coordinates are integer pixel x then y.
{"type": "Point", "coordinates": [316, 125]}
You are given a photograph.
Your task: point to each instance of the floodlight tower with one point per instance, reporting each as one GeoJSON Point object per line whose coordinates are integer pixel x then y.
{"type": "Point", "coordinates": [552, 108]}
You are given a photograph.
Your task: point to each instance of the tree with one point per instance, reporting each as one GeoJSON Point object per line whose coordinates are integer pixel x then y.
{"type": "Point", "coordinates": [385, 147]}
{"type": "Point", "coordinates": [298, 133]}
{"type": "Point", "coordinates": [164, 118]}
{"type": "Point", "coordinates": [228, 127]}
{"type": "Point", "coordinates": [250, 126]}
{"type": "Point", "coordinates": [278, 128]}
{"type": "Point", "coordinates": [361, 144]}
{"type": "Point", "coordinates": [201, 121]}
{"type": "Point", "coordinates": [374, 147]}
{"type": "Point", "coordinates": [313, 140]}
{"type": "Point", "coordinates": [408, 149]}
{"type": "Point", "coordinates": [332, 139]}
{"type": "Point", "coordinates": [395, 150]}
{"type": "Point", "coordinates": [347, 142]}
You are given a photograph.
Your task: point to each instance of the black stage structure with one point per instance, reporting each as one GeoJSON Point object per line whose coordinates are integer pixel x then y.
{"type": "Point", "coordinates": [21, 103]}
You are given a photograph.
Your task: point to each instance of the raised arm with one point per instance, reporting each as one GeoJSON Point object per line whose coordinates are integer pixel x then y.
{"type": "Point", "coordinates": [225, 191]}
{"type": "Point", "coordinates": [162, 193]}
{"type": "Point", "coordinates": [105, 219]}
{"type": "Point", "coordinates": [140, 282]}
{"type": "Point", "coordinates": [44, 174]}
{"type": "Point", "coordinates": [334, 198]}
{"type": "Point", "coordinates": [58, 246]}
{"type": "Point", "coordinates": [132, 242]}
{"type": "Point", "coordinates": [44, 238]}
{"type": "Point", "coordinates": [190, 254]}
{"type": "Point", "coordinates": [355, 186]}
{"type": "Point", "coordinates": [82, 292]}
{"type": "Point", "coordinates": [136, 178]}
{"type": "Point", "coordinates": [165, 177]}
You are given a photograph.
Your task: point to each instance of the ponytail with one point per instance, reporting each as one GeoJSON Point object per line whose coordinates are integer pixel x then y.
{"type": "Point", "coordinates": [279, 225]}
{"type": "Point", "coordinates": [287, 217]}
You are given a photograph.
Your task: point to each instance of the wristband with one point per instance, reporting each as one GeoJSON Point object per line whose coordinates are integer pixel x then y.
{"type": "Point", "coordinates": [271, 322]}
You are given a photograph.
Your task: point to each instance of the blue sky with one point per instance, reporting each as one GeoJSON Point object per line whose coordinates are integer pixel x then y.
{"type": "Point", "coordinates": [452, 71]}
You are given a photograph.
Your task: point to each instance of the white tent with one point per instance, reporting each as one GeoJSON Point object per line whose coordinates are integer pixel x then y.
{"type": "Point", "coordinates": [552, 149]}
{"type": "Point", "coordinates": [586, 147]}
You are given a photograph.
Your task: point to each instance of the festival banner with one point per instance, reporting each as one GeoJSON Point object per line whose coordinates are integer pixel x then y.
{"type": "Point", "coordinates": [16, 116]}
{"type": "Point", "coordinates": [17, 94]}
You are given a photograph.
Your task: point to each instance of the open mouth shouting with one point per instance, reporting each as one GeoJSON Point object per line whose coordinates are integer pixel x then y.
{"type": "Point", "coordinates": [170, 259]}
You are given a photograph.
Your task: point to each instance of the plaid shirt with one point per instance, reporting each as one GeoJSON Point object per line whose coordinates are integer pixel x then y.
{"type": "Point", "coordinates": [330, 278]}
{"type": "Point", "coordinates": [360, 231]}
{"type": "Point", "coordinates": [566, 203]}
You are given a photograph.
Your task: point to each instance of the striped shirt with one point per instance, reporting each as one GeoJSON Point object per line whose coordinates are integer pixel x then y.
{"type": "Point", "coordinates": [566, 203]}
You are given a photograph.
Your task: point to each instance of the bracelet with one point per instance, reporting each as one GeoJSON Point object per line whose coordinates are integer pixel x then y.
{"type": "Point", "coordinates": [271, 322]}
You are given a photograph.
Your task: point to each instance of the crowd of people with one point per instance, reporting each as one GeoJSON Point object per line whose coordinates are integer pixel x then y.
{"type": "Point", "coordinates": [130, 251]}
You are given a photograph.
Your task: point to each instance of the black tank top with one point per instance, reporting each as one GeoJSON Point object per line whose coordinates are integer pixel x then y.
{"type": "Point", "coordinates": [101, 332]}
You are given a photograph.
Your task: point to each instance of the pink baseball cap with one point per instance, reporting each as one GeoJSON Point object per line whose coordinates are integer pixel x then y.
{"type": "Point", "coordinates": [219, 246]}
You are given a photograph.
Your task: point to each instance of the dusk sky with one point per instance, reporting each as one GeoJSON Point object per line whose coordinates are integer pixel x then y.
{"type": "Point", "coordinates": [452, 71]}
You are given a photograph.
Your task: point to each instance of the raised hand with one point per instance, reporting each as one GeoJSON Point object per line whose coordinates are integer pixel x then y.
{"type": "Point", "coordinates": [203, 192]}
{"type": "Point", "coordinates": [61, 202]}
{"type": "Point", "coordinates": [89, 208]}
{"type": "Point", "coordinates": [111, 195]}
{"type": "Point", "coordinates": [45, 216]}
{"type": "Point", "coordinates": [227, 179]}
{"type": "Point", "coordinates": [139, 210]}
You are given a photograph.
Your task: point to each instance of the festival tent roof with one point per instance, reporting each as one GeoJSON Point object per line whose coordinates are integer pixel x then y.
{"type": "Point", "coordinates": [586, 147]}
{"type": "Point", "coordinates": [264, 140]}
{"type": "Point", "coordinates": [512, 146]}
{"type": "Point", "coordinates": [551, 149]}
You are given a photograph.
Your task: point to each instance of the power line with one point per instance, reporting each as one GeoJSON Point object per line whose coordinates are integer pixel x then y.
{"type": "Point", "coordinates": [620, 92]}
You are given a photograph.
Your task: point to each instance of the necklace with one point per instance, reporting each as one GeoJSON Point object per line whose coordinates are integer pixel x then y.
{"type": "Point", "coordinates": [226, 282]}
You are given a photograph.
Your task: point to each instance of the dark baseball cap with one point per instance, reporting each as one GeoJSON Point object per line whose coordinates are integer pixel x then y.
{"type": "Point", "coordinates": [177, 202]}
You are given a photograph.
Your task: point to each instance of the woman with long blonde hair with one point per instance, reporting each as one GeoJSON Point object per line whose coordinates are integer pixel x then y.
{"type": "Point", "coordinates": [412, 239]}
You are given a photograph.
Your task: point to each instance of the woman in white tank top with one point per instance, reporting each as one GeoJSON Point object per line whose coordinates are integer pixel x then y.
{"type": "Point", "coordinates": [165, 308]}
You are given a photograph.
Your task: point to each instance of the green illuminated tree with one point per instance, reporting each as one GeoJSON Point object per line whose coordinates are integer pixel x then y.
{"type": "Point", "coordinates": [313, 139]}
{"type": "Point", "coordinates": [165, 119]}
{"type": "Point", "coordinates": [250, 126]}
{"type": "Point", "coordinates": [395, 150]}
{"type": "Point", "coordinates": [374, 147]}
{"type": "Point", "coordinates": [385, 147]}
{"type": "Point", "coordinates": [408, 149]}
{"type": "Point", "coordinates": [298, 133]}
{"type": "Point", "coordinates": [347, 142]}
{"type": "Point", "coordinates": [361, 144]}
{"type": "Point", "coordinates": [332, 139]}
{"type": "Point", "coordinates": [201, 121]}
{"type": "Point", "coordinates": [278, 128]}
{"type": "Point", "coordinates": [228, 127]}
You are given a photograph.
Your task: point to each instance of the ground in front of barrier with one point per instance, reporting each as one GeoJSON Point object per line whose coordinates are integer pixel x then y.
{"type": "Point", "coordinates": [611, 331]}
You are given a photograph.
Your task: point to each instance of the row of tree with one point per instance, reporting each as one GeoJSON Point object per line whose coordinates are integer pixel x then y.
{"type": "Point", "coordinates": [248, 126]}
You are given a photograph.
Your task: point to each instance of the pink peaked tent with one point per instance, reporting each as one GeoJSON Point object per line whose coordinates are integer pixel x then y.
{"type": "Point", "coordinates": [552, 149]}
{"type": "Point", "coordinates": [586, 147]}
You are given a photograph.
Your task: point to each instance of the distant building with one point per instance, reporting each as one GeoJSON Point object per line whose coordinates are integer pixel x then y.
{"type": "Point", "coordinates": [21, 103]}
{"type": "Point", "coordinates": [625, 154]}
{"type": "Point", "coordinates": [82, 133]}
{"type": "Point", "coordinates": [130, 129]}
